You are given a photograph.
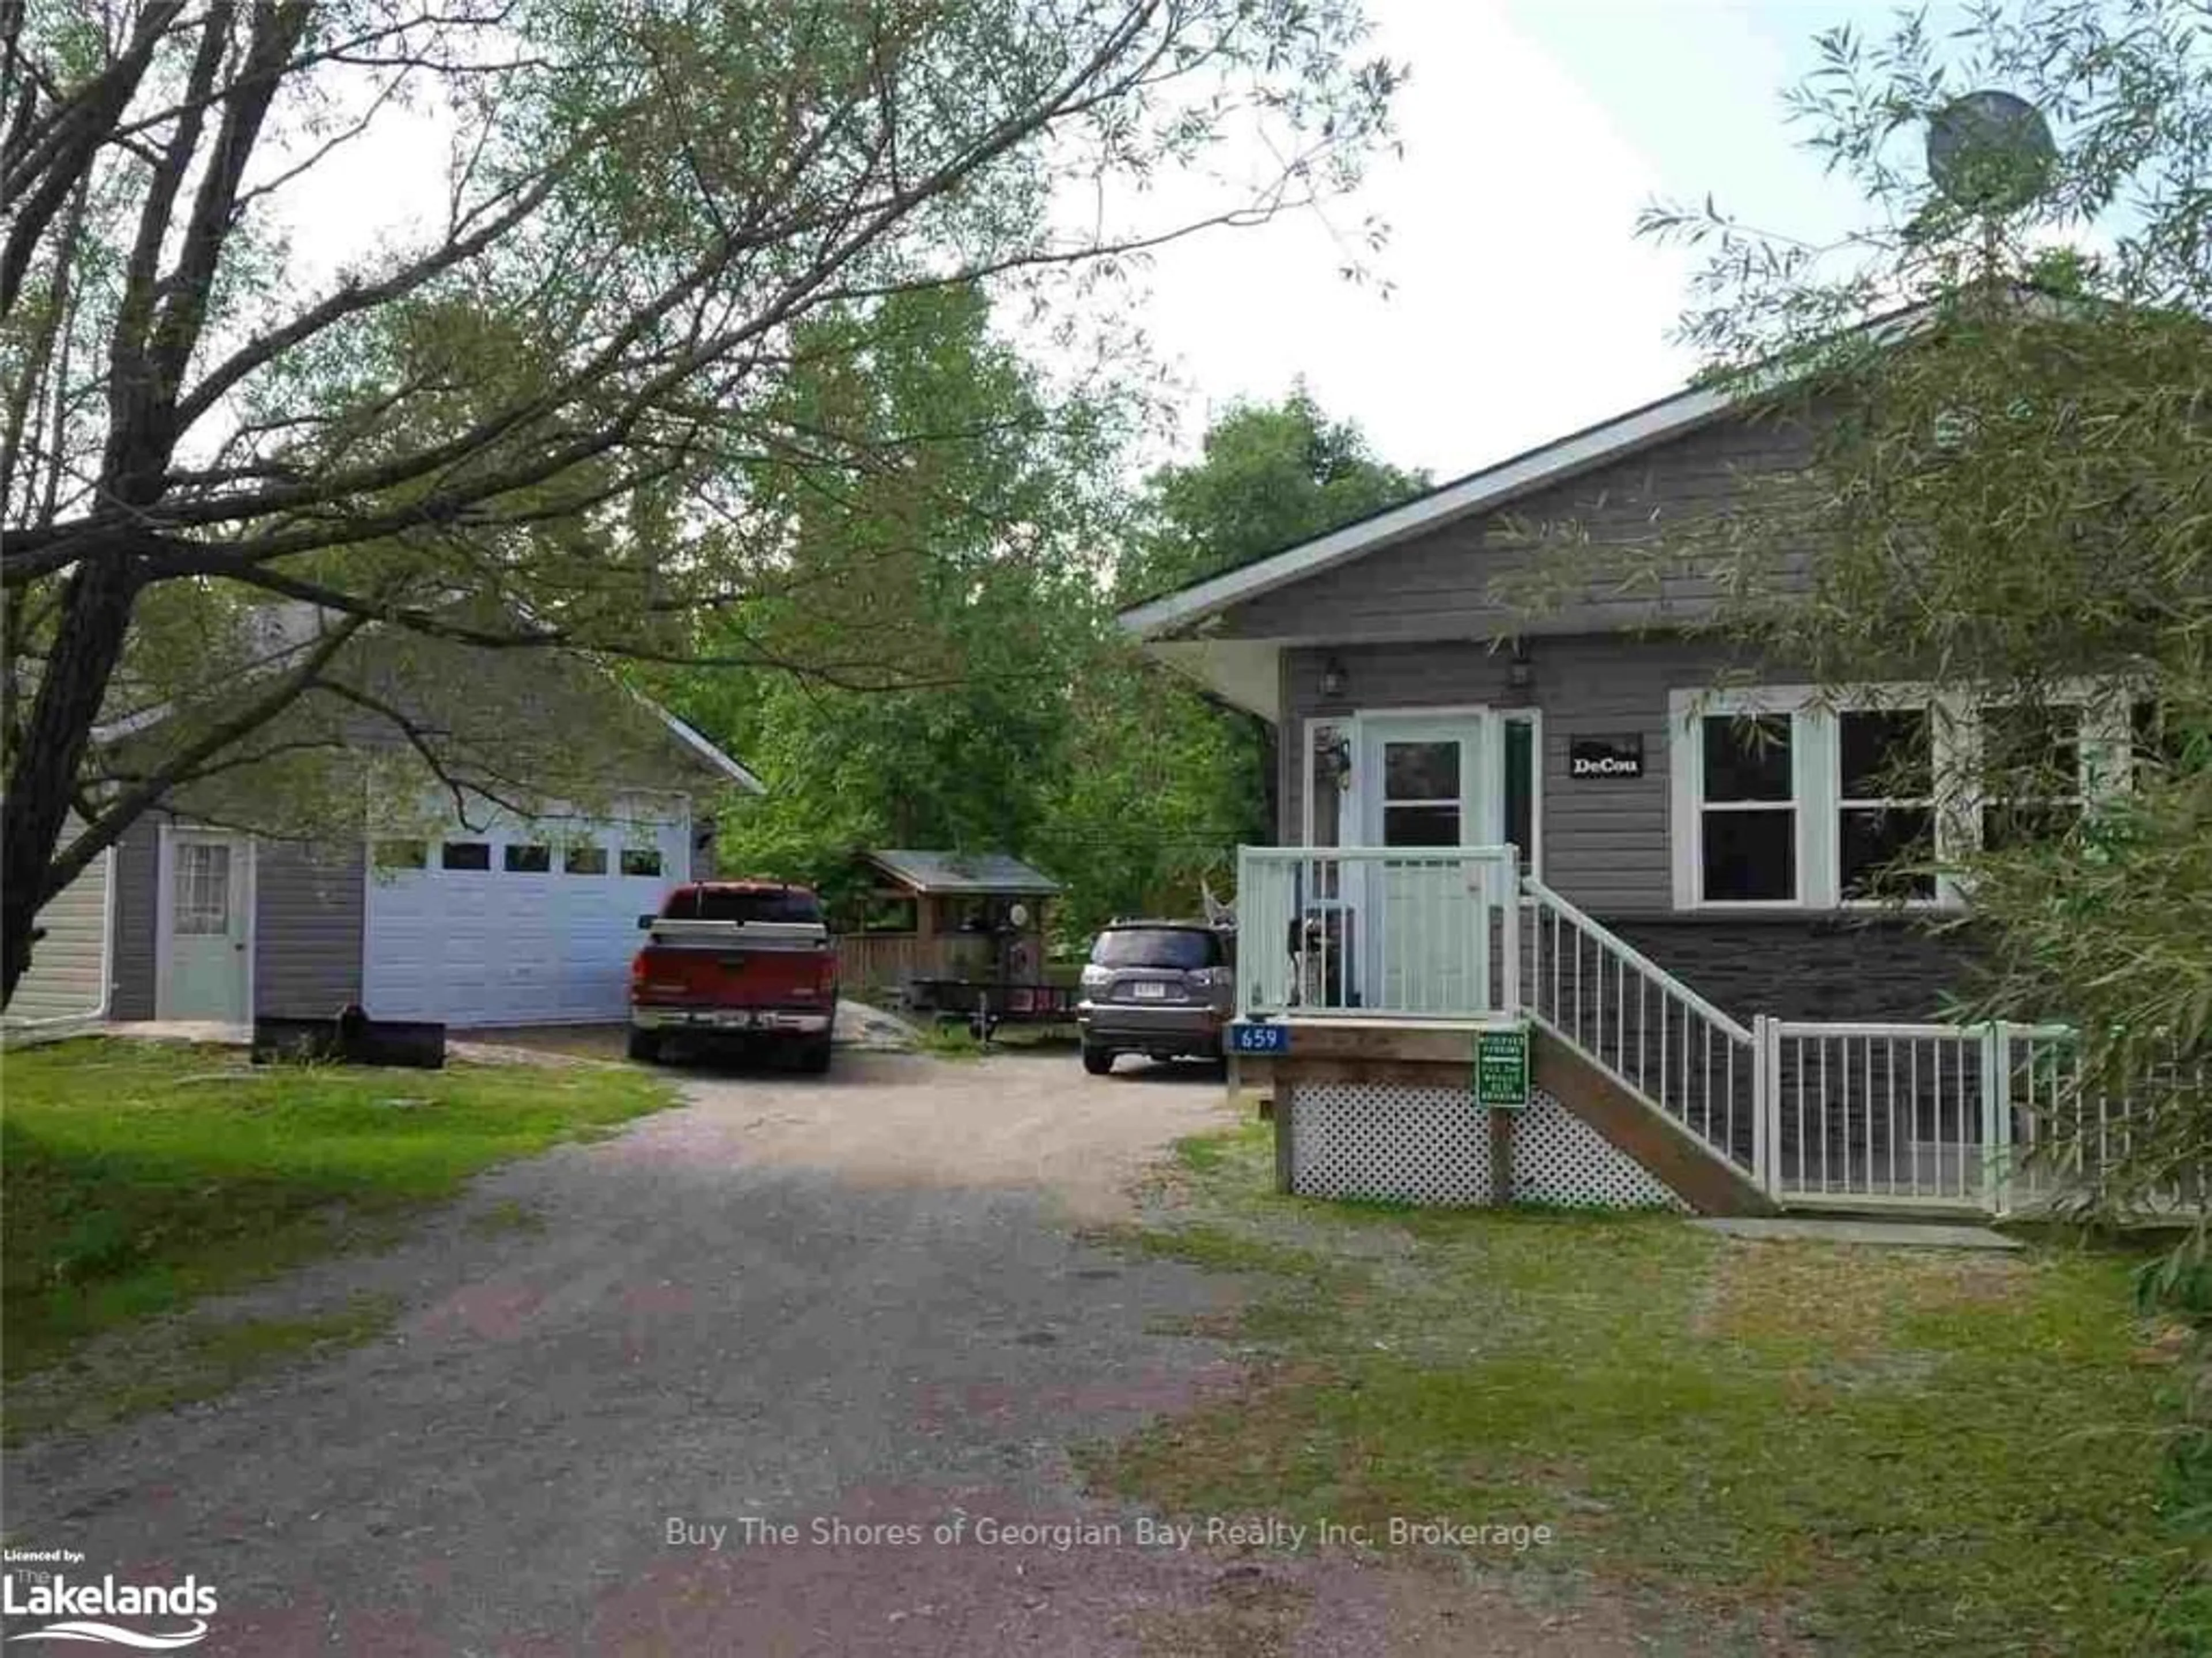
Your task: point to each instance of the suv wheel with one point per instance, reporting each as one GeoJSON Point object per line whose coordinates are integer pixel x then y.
{"type": "Point", "coordinates": [644, 1046]}
{"type": "Point", "coordinates": [1097, 1061]}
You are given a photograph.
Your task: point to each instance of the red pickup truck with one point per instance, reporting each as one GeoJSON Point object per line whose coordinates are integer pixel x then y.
{"type": "Point", "coordinates": [747, 960]}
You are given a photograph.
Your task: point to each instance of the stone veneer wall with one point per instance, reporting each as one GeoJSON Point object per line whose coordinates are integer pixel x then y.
{"type": "Point", "coordinates": [1848, 969]}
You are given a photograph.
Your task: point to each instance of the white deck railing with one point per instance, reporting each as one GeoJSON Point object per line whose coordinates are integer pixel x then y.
{"type": "Point", "coordinates": [1991, 1118]}
{"type": "Point", "coordinates": [1902, 1115]}
{"type": "Point", "coordinates": [1378, 932]}
{"type": "Point", "coordinates": [1644, 1027]}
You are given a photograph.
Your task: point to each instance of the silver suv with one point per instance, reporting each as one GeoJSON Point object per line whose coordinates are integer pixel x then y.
{"type": "Point", "coordinates": [1164, 988]}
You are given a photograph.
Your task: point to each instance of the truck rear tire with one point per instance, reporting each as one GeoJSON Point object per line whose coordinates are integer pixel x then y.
{"type": "Point", "coordinates": [814, 1055]}
{"type": "Point", "coordinates": [1097, 1061]}
{"type": "Point", "coordinates": [645, 1047]}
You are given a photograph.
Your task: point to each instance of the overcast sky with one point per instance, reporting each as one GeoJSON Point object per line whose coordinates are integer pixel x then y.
{"type": "Point", "coordinates": [1522, 305]}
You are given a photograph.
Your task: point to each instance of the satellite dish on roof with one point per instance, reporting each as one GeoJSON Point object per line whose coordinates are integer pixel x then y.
{"type": "Point", "coordinates": [1991, 152]}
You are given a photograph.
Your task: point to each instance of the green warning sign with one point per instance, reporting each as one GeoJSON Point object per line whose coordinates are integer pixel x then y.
{"type": "Point", "coordinates": [1501, 1067]}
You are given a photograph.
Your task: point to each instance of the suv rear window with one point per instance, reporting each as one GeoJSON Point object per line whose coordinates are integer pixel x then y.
{"type": "Point", "coordinates": [1186, 948]}
{"type": "Point", "coordinates": [711, 904]}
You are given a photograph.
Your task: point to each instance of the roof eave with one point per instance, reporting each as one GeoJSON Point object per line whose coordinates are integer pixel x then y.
{"type": "Point", "coordinates": [1654, 423]}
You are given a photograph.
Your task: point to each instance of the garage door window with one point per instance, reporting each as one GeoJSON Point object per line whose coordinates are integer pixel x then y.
{"type": "Point", "coordinates": [529, 859]}
{"type": "Point", "coordinates": [465, 855]}
{"type": "Point", "coordinates": [584, 860]}
{"type": "Point", "coordinates": [641, 860]}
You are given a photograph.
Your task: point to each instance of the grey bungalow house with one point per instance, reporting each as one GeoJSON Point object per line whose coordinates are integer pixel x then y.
{"type": "Point", "coordinates": [1721, 1016]}
{"type": "Point", "coordinates": [1418, 707]}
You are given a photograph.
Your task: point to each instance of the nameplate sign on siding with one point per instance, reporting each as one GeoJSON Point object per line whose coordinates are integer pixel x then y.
{"type": "Point", "coordinates": [1501, 1067]}
{"type": "Point", "coordinates": [1260, 1038]}
{"type": "Point", "coordinates": [1606, 758]}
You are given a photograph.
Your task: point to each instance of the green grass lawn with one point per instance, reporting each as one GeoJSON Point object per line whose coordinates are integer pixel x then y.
{"type": "Point", "coordinates": [139, 1176]}
{"type": "Point", "coordinates": [1901, 1451]}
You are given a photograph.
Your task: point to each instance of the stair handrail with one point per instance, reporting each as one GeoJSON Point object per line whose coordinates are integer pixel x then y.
{"type": "Point", "coordinates": [1606, 938]}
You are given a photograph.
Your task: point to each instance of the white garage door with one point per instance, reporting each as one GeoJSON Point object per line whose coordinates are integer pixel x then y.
{"type": "Point", "coordinates": [522, 924]}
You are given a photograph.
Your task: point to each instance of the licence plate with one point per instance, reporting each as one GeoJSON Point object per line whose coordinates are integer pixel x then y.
{"type": "Point", "coordinates": [1151, 990]}
{"type": "Point", "coordinates": [736, 1021]}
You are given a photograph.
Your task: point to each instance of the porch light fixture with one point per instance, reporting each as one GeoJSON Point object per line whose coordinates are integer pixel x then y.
{"type": "Point", "coordinates": [1331, 678]}
{"type": "Point", "coordinates": [1520, 673]}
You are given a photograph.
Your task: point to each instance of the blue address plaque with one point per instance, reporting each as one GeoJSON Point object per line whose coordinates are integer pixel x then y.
{"type": "Point", "coordinates": [1260, 1038]}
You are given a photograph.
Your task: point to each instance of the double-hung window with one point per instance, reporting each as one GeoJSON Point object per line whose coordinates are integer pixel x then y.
{"type": "Point", "coordinates": [2031, 782]}
{"type": "Point", "coordinates": [1788, 797]}
{"type": "Point", "coordinates": [1884, 804]}
{"type": "Point", "coordinates": [1747, 812]}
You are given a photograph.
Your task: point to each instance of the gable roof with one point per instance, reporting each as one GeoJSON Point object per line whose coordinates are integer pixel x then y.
{"type": "Point", "coordinates": [930, 872]}
{"type": "Point", "coordinates": [281, 633]}
{"type": "Point", "coordinates": [1182, 609]}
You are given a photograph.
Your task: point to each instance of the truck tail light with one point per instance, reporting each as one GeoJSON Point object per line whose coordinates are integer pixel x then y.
{"type": "Point", "coordinates": [825, 971]}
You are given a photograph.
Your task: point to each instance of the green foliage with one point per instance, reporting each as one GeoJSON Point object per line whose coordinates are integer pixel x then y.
{"type": "Point", "coordinates": [1877, 1450]}
{"type": "Point", "coordinates": [611, 395]}
{"type": "Point", "coordinates": [2010, 497]}
{"type": "Point", "coordinates": [1270, 475]}
{"type": "Point", "coordinates": [138, 1177]}
{"type": "Point", "coordinates": [976, 563]}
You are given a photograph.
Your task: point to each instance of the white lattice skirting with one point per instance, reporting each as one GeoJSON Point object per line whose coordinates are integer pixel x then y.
{"type": "Point", "coordinates": [1398, 1143]}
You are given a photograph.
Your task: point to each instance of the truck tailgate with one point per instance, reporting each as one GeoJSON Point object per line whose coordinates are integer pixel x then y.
{"type": "Point", "coordinates": [736, 964]}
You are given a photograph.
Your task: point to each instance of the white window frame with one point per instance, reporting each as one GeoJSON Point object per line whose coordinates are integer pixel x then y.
{"type": "Point", "coordinates": [2105, 747]}
{"type": "Point", "coordinates": [1688, 712]}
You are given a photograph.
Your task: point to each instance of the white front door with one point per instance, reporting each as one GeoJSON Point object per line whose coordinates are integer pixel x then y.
{"type": "Point", "coordinates": [1421, 786]}
{"type": "Point", "coordinates": [207, 923]}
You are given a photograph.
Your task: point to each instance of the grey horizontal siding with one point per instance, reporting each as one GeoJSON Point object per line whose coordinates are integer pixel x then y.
{"type": "Point", "coordinates": [1442, 584]}
{"type": "Point", "coordinates": [307, 927]}
{"type": "Point", "coordinates": [1605, 842]}
{"type": "Point", "coordinates": [136, 861]}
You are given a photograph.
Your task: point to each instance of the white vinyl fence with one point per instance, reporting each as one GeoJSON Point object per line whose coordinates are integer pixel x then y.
{"type": "Point", "coordinates": [1859, 1115]}
{"type": "Point", "coordinates": [1380, 932]}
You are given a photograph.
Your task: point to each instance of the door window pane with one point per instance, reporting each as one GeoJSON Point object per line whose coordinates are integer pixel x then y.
{"type": "Point", "coordinates": [1751, 856]}
{"type": "Point", "coordinates": [1420, 771]}
{"type": "Point", "coordinates": [584, 860]}
{"type": "Point", "coordinates": [641, 860]}
{"type": "Point", "coordinates": [465, 854]}
{"type": "Point", "coordinates": [1328, 774]}
{"type": "Point", "coordinates": [529, 859]}
{"type": "Point", "coordinates": [1747, 759]}
{"type": "Point", "coordinates": [203, 887]}
{"type": "Point", "coordinates": [1420, 826]}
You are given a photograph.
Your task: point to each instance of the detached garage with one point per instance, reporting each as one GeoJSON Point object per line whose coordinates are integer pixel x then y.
{"type": "Point", "coordinates": [497, 920]}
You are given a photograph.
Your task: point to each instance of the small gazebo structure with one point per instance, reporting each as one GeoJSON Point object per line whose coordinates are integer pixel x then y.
{"type": "Point", "coordinates": [926, 916]}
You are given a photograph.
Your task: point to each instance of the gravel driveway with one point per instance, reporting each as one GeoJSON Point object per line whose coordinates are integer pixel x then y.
{"type": "Point", "coordinates": [857, 1299]}
{"type": "Point", "coordinates": [853, 1309]}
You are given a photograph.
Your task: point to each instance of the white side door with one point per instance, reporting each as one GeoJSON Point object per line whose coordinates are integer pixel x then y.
{"type": "Point", "coordinates": [207, 926]}
{"type": "Point", "coordinates": [1427, 949]}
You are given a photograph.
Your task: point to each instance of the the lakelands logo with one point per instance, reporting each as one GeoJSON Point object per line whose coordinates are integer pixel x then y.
{"type": "Point", "coordinates": [84, 1611]}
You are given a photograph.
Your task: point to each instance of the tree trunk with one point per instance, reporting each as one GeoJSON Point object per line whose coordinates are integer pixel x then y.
{"type": "Point", "coordinates": [95, 618]}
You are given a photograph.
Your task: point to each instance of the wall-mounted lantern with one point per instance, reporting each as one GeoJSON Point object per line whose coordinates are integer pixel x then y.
{"type": "Point", "coordinates": [1333, 678]}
